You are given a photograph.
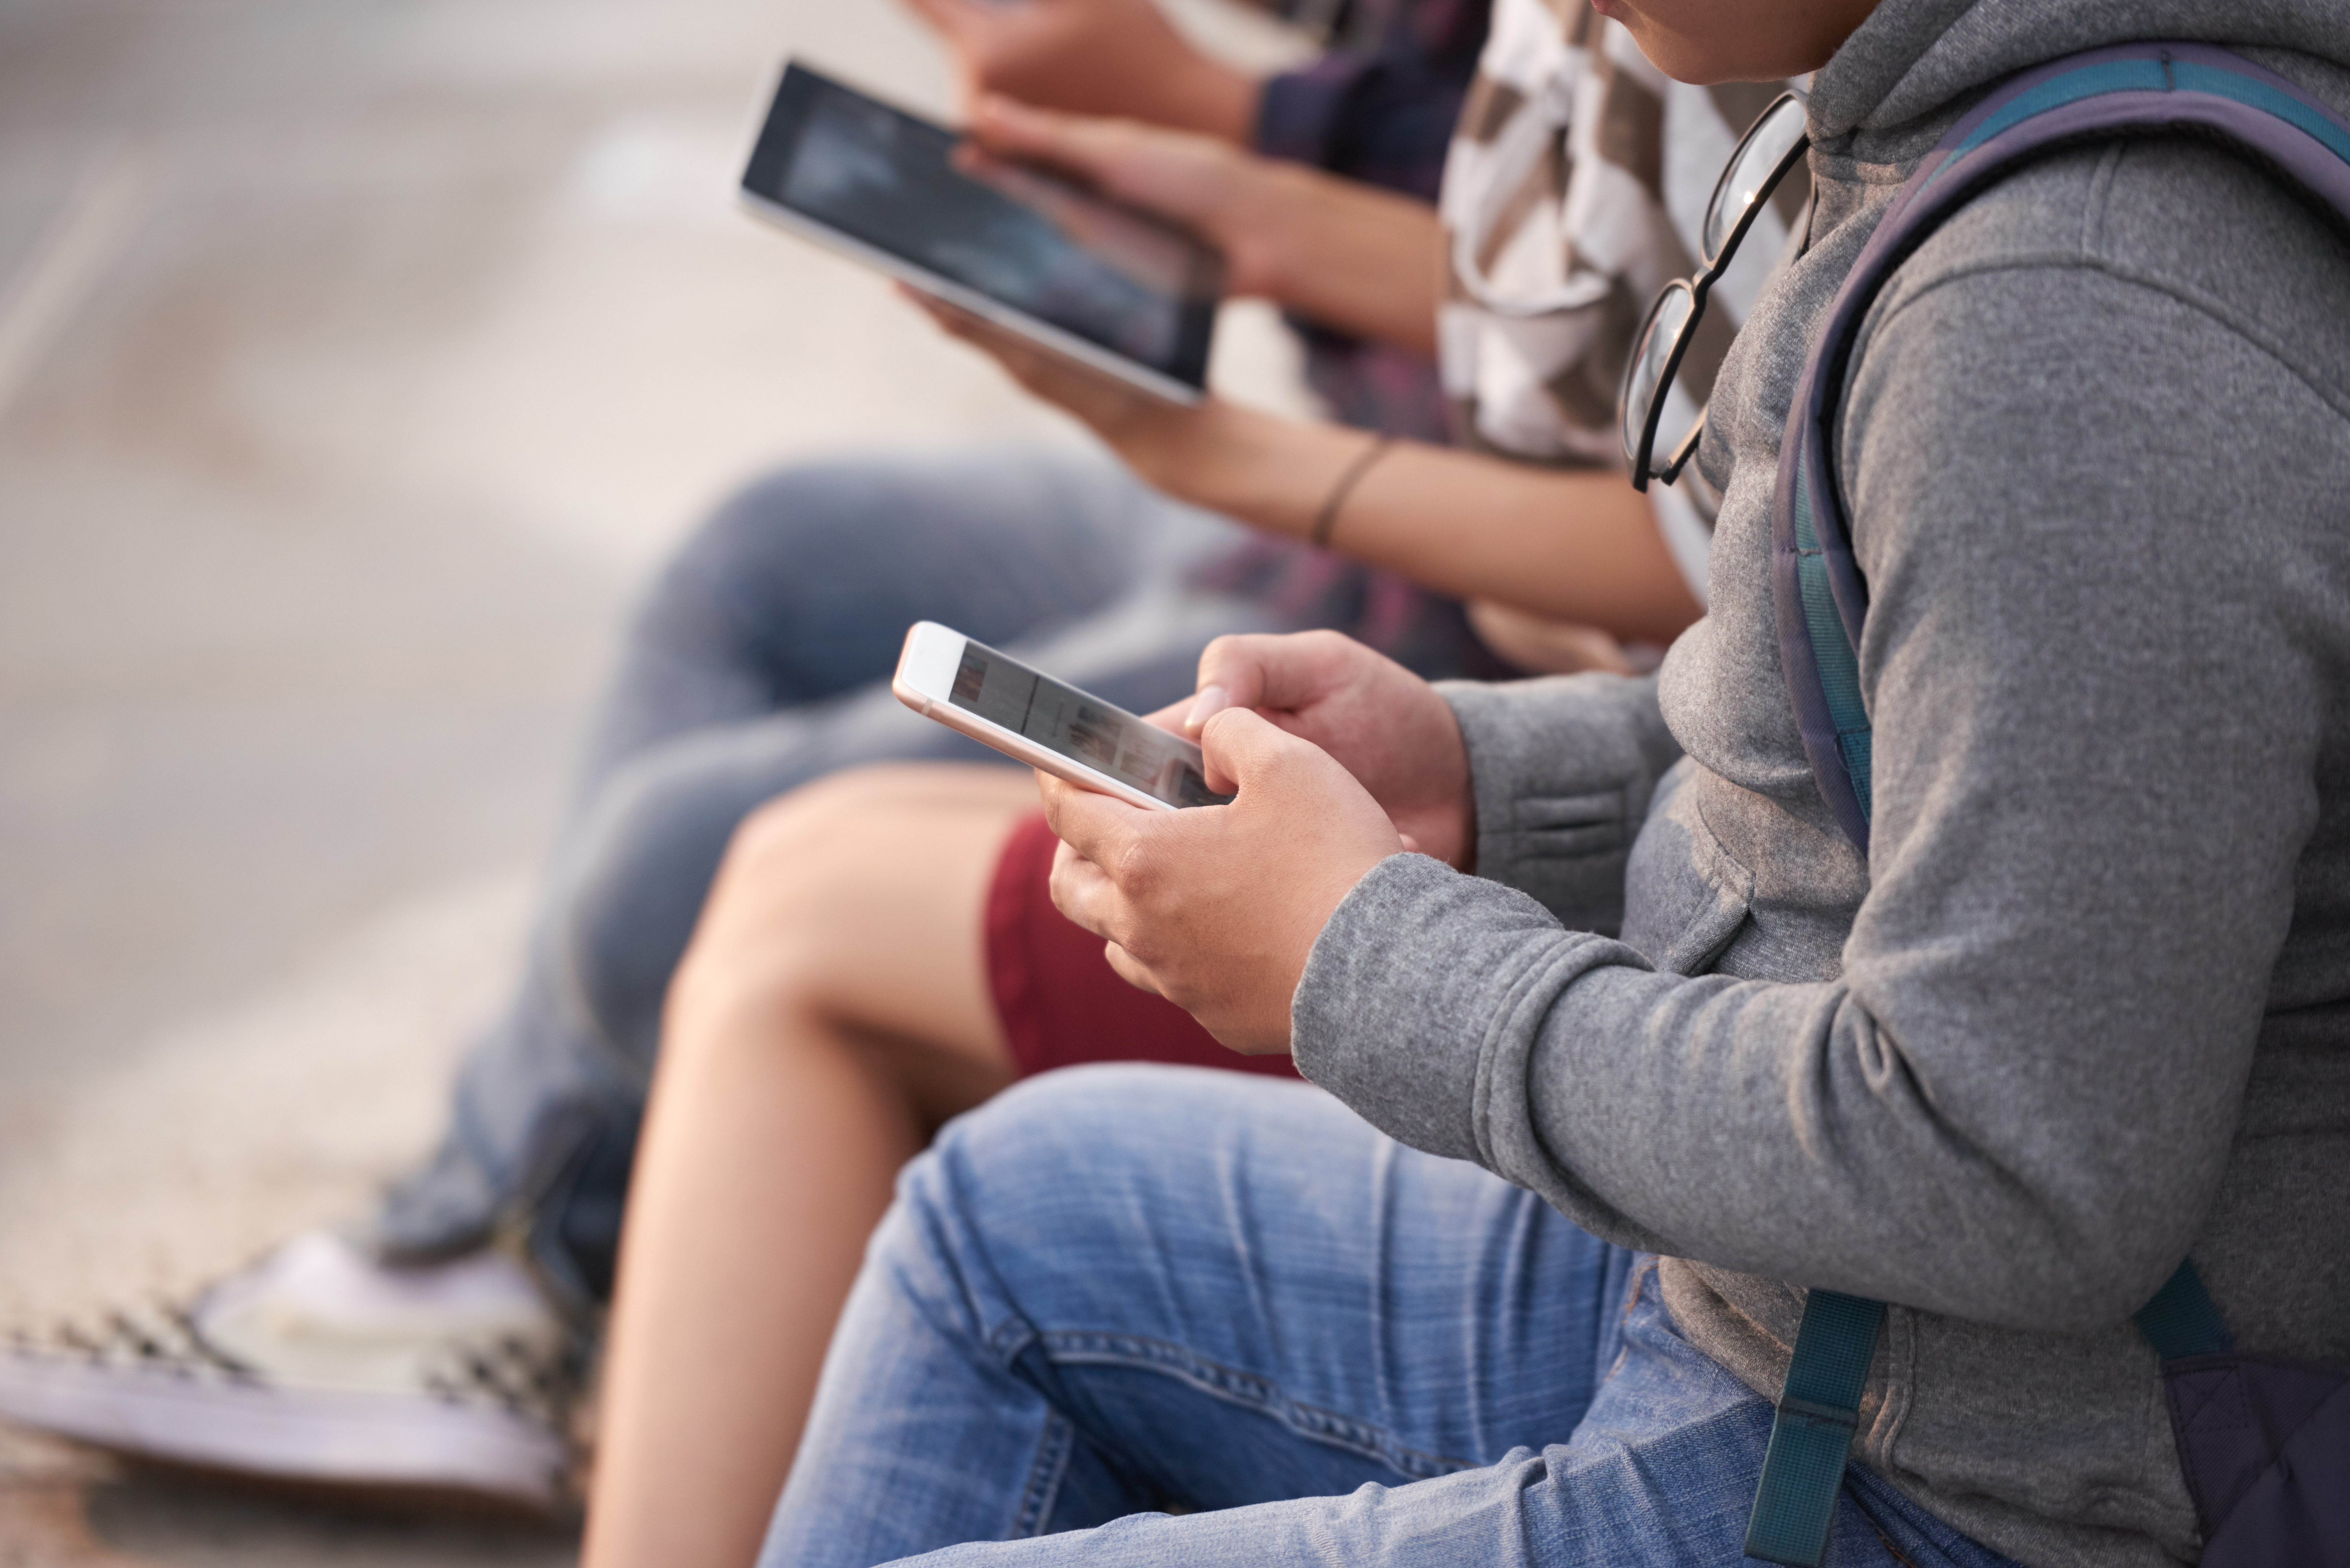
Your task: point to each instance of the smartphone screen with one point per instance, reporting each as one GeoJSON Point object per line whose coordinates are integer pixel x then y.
{"type": "Point", "coordinates": [1081, 728]}
{"type": "Point", "coordinates": [1026, 238]}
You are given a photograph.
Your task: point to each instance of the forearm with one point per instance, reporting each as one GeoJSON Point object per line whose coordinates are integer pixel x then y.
{"type": "Point", "coordinates": [1195, 92]}
{"type": "Point", "coordinates": [1342, 254]}
{"type": "Point", "coordinates": [1574, 546]}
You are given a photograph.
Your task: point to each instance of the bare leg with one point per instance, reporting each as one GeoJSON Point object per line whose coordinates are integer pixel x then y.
{"type": "Point", "coordinates": [832, 1011]}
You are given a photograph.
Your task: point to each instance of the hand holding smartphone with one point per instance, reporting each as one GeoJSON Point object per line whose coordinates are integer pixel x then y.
{"type": "Point", "coordinates": [1001, 703]}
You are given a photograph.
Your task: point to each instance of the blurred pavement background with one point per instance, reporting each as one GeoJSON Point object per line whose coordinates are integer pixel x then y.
{"type": "Point", "coordinates": [357, 357]}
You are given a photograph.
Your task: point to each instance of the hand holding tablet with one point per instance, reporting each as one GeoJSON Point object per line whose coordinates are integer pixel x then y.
{"type": "Point", "coordinates": [1120, 57]}
{"type": "Point", "coordinates": [1089, 278]}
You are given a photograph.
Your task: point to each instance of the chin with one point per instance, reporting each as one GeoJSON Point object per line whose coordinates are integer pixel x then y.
{"type": "Point", "coordinates": [1678, 57]}
{"type": "Point", "coordinates": [1688, 59]}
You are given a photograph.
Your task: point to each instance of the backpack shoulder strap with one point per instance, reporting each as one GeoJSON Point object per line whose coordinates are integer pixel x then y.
{"type": "Point", "coordinates": [2137, 90]}
{"type": "Point", "coordinates": [1822, 604]}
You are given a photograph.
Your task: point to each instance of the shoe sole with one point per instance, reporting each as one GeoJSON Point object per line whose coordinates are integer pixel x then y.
{"type": "Point", "coordinates": [358, 1440]}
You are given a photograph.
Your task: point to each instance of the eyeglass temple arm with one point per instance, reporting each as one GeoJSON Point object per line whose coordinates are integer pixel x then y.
{"type": "Point", "coordinates": [1672, 471]}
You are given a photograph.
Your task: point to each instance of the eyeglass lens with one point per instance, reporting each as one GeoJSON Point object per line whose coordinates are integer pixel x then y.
{"type": "Point", "coordinates": [1746, 179]}
{"type": "Point", "coordinates": [1666, 321]}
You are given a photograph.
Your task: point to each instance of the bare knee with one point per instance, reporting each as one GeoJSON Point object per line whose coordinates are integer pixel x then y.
{"type": "Point", "coordinates": [899, 786]}
{"type": "Point", "coordinates": [800, 908]}
{"type": "Point", "coordinates": [761, 942]}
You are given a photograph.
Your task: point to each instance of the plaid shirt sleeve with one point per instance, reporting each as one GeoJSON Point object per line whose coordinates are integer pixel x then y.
{"type": "Point", "coordinates": [1380, 110]}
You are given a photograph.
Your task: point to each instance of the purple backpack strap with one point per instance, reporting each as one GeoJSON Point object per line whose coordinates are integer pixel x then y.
{"type": "Point", "coordinates": [2265, 1444]}
{"type": "Point", "coordinates": [2137, 90]}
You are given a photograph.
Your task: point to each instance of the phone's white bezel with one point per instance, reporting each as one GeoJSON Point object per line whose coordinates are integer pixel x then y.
{"type": "Point", "coordinates": [925, 677]}
{"type": "Point", "coordinates": [1044, 334]}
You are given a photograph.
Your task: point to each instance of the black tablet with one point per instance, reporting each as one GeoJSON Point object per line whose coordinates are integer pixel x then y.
{"type": "Point", "coordinates": [1101, 281]}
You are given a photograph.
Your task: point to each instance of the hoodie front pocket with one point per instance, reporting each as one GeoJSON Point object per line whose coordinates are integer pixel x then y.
{"type": "Point", "coordinates": [1686, 897]}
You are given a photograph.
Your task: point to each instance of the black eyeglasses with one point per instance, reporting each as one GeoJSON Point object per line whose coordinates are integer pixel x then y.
{"type": "Point", "coordinates": [1772, 146]}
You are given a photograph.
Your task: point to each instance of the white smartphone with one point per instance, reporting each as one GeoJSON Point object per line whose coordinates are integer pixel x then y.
{"type": "Point", "coordinates": [1001, 703]}
{"type": "Point", "coordinates": [1107, 285]}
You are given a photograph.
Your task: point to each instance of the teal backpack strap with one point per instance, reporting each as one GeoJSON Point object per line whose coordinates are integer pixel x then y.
{"type": "Point", "coordinates": [2180, 1320]}
{"type": "Point", "coordinates": [1819, 1409]}
{"type": "Point", "coordinates": [1819, 1412]}
{"type": "Point", "coordinates": [1822, 604]}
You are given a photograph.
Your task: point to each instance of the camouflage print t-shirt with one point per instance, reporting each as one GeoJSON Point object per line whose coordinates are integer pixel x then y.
{"type": "Point", "coordinates": [1573, 189]}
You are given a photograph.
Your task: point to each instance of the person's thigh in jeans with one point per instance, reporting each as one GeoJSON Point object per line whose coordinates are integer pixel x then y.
{"type": "Point", "coordinates": [1152, 1316]}
{"type": "Point", "coordinates": [1129, 1288]}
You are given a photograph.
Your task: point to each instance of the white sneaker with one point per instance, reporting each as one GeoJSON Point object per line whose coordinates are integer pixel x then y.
{"type": "Point", "coordinates": [320, 1363]}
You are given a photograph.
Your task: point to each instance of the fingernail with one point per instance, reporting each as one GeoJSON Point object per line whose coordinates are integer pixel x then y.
{"type": "Point", "coordinates": [1211, 701]}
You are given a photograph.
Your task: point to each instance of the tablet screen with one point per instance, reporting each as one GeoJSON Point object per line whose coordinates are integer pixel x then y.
{"type": "Point", "coordinates": [1082, 728]}
{"type": "Point", "coordinates": [1027, 239]}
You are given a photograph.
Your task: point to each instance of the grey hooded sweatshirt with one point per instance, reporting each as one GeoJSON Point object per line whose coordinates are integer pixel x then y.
{"type": "Point", "coordinates": [2084, 1010]}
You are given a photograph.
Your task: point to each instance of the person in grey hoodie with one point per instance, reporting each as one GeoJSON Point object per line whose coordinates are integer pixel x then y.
{"type": "Point", "coordinates": [1651, 1049]}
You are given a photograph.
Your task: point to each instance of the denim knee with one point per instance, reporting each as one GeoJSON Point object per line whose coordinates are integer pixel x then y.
{"type": "Point", "coordinates": [789, 572]}
{"type": "Point", "coordinates": [770, 601]}
{"type": "Point", "coordinates": [1079, 1136]}
{"type": "Point", "coordinates": [1037, 1201]}
{"type": "Point", "coordinates": [1038, 1144]}
{"type": "Point", "coordinates": [766, 533]}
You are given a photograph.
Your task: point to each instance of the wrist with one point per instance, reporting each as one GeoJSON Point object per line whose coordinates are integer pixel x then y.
{"type": "Point", "coordinates": [1247, 465]}
{"type": "Point", "coordinates": [1446, 825]}
{"type": "Point", "coordinates": [1210, 97]}
{"type": "Point", "coordinates": [1264, 226]}
{"type": "Point", "coordinates": [1464, 858]}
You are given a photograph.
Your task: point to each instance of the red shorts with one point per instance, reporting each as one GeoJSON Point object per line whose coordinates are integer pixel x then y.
{"type": "Point", "coordinates": [1060, 1000]}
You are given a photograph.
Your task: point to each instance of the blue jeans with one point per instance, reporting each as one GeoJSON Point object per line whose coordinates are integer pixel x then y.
{"type": "Point", "coordinates": [759, 662]}
{"type": "Point", "coordinates": [1198, 1319]}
